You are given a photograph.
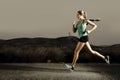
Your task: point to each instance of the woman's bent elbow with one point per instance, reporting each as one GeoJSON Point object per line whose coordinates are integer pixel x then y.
{"type": "Point", "coordinates": [95, 26]}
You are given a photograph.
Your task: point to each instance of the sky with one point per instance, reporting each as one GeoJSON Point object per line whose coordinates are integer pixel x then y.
{"type": "Point", "coordinates": [54, 18]}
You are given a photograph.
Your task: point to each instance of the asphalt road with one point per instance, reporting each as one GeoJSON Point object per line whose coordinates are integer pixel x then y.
{"type": "Point", "coordinates": [58, 71]}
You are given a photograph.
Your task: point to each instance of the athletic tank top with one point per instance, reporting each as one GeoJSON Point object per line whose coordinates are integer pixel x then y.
{"type": "Point", "coordinates": [81, 27]}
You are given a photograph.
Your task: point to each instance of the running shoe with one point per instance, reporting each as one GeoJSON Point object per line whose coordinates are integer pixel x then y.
{"type": "Point", "coordinates": [70, 67]}
{"type": "Point", "coordinates": [107, 59]}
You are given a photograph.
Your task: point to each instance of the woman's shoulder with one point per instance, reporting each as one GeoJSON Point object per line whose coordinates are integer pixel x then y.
{"type": "Point", "coordinates": [86, 21]}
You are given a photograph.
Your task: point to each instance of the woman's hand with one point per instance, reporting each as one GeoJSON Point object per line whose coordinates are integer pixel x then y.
{"type": "Point", "coordinates": [88, 31]}
{"type": "Point", "coordinates": [74, 23]}
{"type": "Point", "coordinates": [74, 28]}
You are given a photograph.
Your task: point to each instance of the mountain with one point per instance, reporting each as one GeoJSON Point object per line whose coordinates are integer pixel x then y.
{"type": "Point", "coordinates": [51, 50]}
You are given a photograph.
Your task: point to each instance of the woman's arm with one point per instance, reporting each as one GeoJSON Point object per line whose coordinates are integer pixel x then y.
{"type": "Point", "coordinates": [74, 28]}
{"type": "Point", "coordinates": [94, 26]}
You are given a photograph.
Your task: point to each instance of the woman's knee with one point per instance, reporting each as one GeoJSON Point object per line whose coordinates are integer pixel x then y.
{"type": "Point", "coordinates": [93, 52]}
{"type": "Point", "coordinates": [76, 51]}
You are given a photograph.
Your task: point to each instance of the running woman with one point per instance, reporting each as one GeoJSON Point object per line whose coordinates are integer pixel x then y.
{"type": "Point", "coordinates": [83, 38]}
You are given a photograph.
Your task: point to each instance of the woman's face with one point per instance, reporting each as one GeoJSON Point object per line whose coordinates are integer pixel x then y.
{"type": "Point", "coordinates": [79, 16]}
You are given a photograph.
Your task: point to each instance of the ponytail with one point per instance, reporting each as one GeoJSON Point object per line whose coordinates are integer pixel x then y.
{"type": "Point", "coordinates": [85, 15]}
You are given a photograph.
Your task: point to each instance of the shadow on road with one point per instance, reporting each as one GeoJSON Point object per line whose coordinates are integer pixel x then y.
{"type": "Point", "coordinates": [30, 68]}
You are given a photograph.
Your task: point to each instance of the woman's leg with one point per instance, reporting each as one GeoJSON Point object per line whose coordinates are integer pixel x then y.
{"type": "Point", "coordinates": [79, 46]}
{"type": "Point", "coordinates": [89, 49]}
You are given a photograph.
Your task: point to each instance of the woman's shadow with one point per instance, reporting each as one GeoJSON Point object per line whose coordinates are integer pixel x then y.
{"type": "Point", "coordinates": [30, 68]}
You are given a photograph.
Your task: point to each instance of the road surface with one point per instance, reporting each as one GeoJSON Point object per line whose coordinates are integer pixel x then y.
{"type": "Point", "coordinates": [58, 71]}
